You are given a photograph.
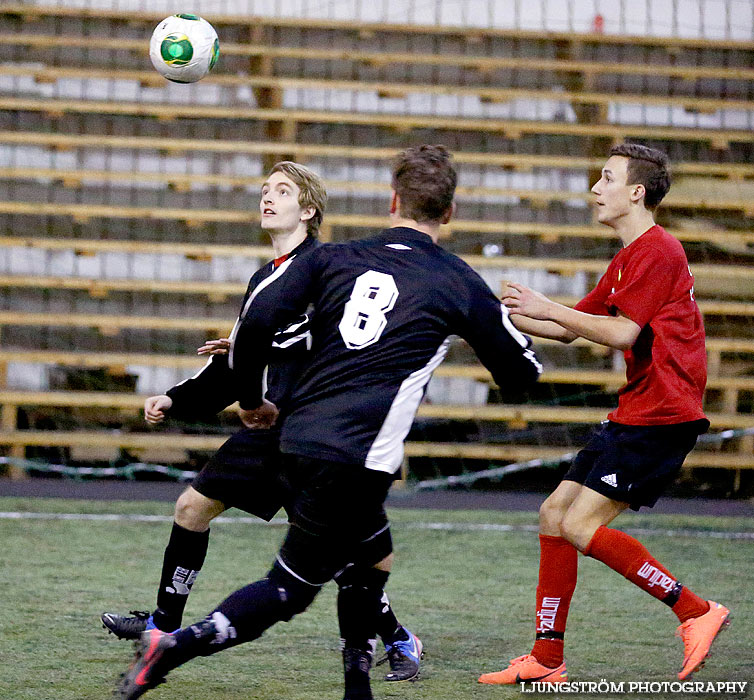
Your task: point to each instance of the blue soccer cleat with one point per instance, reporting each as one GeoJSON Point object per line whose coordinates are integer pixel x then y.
{"type": "Point", "coordinates": [404, 657]}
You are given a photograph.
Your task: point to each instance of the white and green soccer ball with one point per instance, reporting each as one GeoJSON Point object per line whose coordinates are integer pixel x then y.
{"type": "Point", "coordinates": [184, 48]}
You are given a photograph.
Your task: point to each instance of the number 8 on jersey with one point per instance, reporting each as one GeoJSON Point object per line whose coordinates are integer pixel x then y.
{"type": "Point", "coordinates": [373, 295]}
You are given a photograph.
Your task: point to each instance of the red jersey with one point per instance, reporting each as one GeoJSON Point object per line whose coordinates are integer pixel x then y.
{"type": "Point", "coordinates": [666, 369]}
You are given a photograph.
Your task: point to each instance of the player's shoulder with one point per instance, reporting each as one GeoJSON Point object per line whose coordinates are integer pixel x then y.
{"type": "Point", "coordinates": [656, 248]}
{"type": "Point", "coordinates": [659, 242]}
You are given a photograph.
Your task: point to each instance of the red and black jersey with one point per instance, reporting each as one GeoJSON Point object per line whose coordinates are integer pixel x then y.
{"type": "Point", "coordinates": [384, 311]}
{"type": "Point", "coordinates": [650, 282]}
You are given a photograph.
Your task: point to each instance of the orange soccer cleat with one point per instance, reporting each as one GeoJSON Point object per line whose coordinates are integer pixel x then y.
{"type": "Point", "coordinates": [698, 633]}
{"type": "Point", "coordinates": [526, 669]}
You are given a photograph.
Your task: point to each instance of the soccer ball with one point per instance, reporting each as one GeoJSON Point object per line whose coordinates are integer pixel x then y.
{"type": "Point", "coordinates": [184, 48]}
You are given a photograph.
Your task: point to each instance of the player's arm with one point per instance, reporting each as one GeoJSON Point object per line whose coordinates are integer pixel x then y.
{"type": "Point", "coordinates": [500, 346]}
{"type": "Point", "coordinates": [527, 306]}
{"type": "Point", "coordinates": [542, 329]}
{"type": "Point", "coordinates": [207, 392]}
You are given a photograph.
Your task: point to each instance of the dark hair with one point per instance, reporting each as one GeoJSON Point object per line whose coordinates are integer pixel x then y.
{"type": "Point", "coordinates": [312, 192]}
{"type": "Point", "coordinates": [646, 166]}
{"type": "Point", "coordinates": [425, 180]}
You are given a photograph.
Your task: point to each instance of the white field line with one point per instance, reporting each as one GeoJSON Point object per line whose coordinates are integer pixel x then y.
{"type": "Point", "coordinates": [446, 527]}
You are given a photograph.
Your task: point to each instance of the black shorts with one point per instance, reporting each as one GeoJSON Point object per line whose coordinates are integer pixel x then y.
{"type": "Point", "coordinates": [245, 473]}
{"type": "Point", "coordinates": [634, 464]}
{"type": "Point", "coordinates": [336, 515]}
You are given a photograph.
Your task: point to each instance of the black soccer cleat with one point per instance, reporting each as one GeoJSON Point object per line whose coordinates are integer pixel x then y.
{"type": "Point", "coordinates": [404, 657]}
{"type": "Point", "coordinates": [145, 673]}
{"type": "Point", "coordinates": [356, 665]}
{"type": "Point", "coordinates": [124, 627]}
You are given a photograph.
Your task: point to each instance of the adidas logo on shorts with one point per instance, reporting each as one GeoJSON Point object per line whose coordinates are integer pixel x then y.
{"type": "Point", "coordinates": [610, 480]}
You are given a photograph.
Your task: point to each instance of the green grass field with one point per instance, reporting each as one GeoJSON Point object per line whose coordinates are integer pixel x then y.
{"type": "Point", "coordinates": [467, 593]}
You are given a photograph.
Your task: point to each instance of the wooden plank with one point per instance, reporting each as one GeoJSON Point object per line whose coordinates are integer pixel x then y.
{"type": "Point", "coordinates": [116, 322]}
{"type": "Point", "coordinates": [484, 64]}
{"type": "Point", "coordinates": [308, 150]}
{"type": "Point", "coordinates": [76, 178]}
{"type": "Point", "coordinates": [223, 326]}
{"type": "Point", "coordinates": [602, 378]}
{"type": "Point", "coordinates": [89, 211]}
{"type": "Point", "coordinates": [473, 34]}
{"type": "Point", "coordinates": [490, 412]}
{"type": "Point", "coordinates": [387, 89]}
{"type": "Point", "coordinates": [390, 121]}
{"type": "Point", "coordinates": [163, 441]}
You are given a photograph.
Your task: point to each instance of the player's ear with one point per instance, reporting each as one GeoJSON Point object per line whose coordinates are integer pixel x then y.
{"type": "Point", "coordinates": [449, 214]}
{"type": "Point", "coordinates": [638, 192]}
{"type": "Point", "coordinates": [307, 213]}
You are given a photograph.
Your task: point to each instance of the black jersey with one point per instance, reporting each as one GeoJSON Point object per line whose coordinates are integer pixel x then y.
{"type": "Point", "coordinates": [214, 387]}
{"type": "Point", "coordinates": [385, 309]}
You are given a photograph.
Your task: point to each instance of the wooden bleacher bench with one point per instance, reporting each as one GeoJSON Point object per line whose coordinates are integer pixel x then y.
{"type": "Point", "coordinates": [117, 362]}
{"type": "Point", "coordinates": [159, 442]}
{"type": "Point", "coordinates": [302, 151]}
{"type": "Point", "coordinates": [196, 217]}
{"type": "Point", "coordinates": [510, 128]}
{"type": "Point", "coordinates": [184, 181]}
{"type": "Point", "coordinates": [162, 441]}
{"type": "Point", "coordinates": [113, 323]}
{"type": "Point", "coordinates": [393, 89]}
{"type": "Point", "coordinates": [565, 266]}
{"type": "Point", "coordinates": [518, 415]}
{"type": "Point", "coordinates": [30, 13]}
{"type": "Point", "coordinates": [483, 64]}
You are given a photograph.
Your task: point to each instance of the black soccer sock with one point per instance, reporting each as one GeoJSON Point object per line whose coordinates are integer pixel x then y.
{"type": "Point", "coordinates": [181, 564]}
{"type": "Point", "coordinates": [356, 665]}
{"type": "Point", "coordinates": [388, 627]}
{"type": "Point", "coordinates": [254, 608]}
{"type": "Point", "coordinates": [360, 592]}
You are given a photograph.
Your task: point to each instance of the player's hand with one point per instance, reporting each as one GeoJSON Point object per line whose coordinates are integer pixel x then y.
{"type": "Point", "coordinates": [221, 346]}
{"type": "Point", "coordinates": [258, 418]}
{"type": "Point", "coordinates": [155, 407]}
{"type": "Point", "coordinates": [521, 300]}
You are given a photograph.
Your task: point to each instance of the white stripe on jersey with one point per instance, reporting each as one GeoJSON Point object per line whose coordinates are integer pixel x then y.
{"type": "Point", "coordinates": [278, 272]}
{"type": "Point", "coordinates": [295, 339]}
{"type": "Point", "coordinates": [520, 338]}
{"type": "Point", "coordinates": [386, 452]}
{"type": "Point", "coordinates": [207, 363]}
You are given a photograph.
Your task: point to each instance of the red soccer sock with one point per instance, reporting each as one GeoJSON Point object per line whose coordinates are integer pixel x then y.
{"type": "Point", "coordinates": [631, 559]}
{"type": "Point", "coordinates": [689, 605]}
{"type": "Point", "coordinates": [558, 568]}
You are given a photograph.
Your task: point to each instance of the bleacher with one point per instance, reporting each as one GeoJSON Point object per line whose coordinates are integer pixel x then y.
{"type": "Point", "coordinates": [128, 218]}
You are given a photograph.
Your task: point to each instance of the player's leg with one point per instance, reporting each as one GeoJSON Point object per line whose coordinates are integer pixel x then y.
{"type": "Point", "coordinates": [184, 556]}
{"type": "Point", "coordinates": [182, 561]}
{"type": "Point", "coordinates": [403, 649]}
{"type": "Point", "coordinates": [558, 565]}
{"type": "Point", "coordinates": [242, 474]}
{"type": "Point", "coordinates": [361, 586]}
{"type": "Point", "coordinates": [362, 604]}
{"type": "Point", "coordinates": [643, 462]}
{"type": "Point", "coordinates": [700, 620]}
{"type": "Point", "coordinates": [241, 617]}
{"type": "Point", "coordinates": [332, 504]}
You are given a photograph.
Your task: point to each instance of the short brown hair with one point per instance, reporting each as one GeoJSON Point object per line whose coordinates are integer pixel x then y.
{"type": "Point", "coordinates": [312, 192]}
{"type": "Point", "coordinates": [425, 180]}
{"type": "Point", "coordinates": [646, 166]}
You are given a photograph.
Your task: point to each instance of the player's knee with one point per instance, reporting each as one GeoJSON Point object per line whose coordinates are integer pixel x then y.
{"type": "Point", "coordinates": [363, 577]}
{"type": "Point", "coordinates": [551, 514]}
{"type": "Point", "coordinates": [295, 595]}
{"type": "Point", "coordinates": [576, 530]}
{"type": "Point", "coordinates": [385, 564]}
{"type": "Point", "coordinates": [194, 511]}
